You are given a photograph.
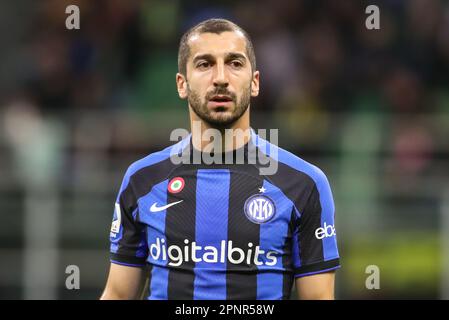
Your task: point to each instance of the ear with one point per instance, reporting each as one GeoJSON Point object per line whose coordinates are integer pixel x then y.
{"type": "Point", "coordinates": [181, 84]}
{"type": "Point", "coordinates": [255, 84]}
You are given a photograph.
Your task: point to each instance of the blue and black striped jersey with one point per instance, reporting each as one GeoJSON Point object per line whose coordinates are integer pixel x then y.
{"type": "Point", "coordinates": [224, 231]}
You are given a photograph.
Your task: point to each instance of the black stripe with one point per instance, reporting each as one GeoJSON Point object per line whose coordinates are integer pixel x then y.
{"type": "Point", "coordinates": [128, 244]}
{"type": "Point", "coordinates": [127, 259]}
{"type": "Point", "coordinates": [319, 266]}
{"type": "Point", "coordinates": [287, 261]}
{"type": "Point", "coordinates": [180, 225]}
{"type": "Point", "coordinates": [149, 270]}
{"type": "Point", "coordinates": [296, 185]}
{"type": "Point", "coordinates": [241, 279]}
{"type": "Point", "coordinates": [140, 183]}
{"type": "Point", "coordinates": [311, 248]}
{"type": "Point", "coordinates": [302, 191]}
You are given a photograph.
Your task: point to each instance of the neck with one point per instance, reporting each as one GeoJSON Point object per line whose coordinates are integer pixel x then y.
{"type": "Point", "coordinates": [207, 138]}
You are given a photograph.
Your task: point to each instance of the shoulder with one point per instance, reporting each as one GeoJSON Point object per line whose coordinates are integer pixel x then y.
{"type": "Point", "coordinates": [156, 162]}
{"type": "Point", "coordinates": [301, 165]}
{"type": "Point", "coordinates": [301, 181]}
{"type": "Point", "coordinates": [293, 162]}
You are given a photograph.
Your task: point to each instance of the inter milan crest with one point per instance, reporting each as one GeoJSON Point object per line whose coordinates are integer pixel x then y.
{"type": "Point", "coordinates": [259, 208]}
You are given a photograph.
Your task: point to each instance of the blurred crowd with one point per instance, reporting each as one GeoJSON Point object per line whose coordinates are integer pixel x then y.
{"type": "Point", "coordinates": [315, 57]}
{"type": "Point", "coordinates": [316, 53]}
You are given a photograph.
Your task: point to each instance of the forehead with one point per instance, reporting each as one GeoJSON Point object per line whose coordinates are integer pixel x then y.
{"type": "Point", "coordinates": [217, 44]}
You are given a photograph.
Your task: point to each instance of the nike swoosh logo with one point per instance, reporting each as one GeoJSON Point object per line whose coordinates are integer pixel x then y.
{"type": "Point", "coordinates": [155, 208]}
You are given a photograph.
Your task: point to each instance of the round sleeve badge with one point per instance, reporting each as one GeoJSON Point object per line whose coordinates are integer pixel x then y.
{"type": "Point", "coordinates": [176, 185]}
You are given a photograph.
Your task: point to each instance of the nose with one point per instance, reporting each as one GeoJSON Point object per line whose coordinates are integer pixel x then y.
{"type": "Point", "coordinates": [220, 77]}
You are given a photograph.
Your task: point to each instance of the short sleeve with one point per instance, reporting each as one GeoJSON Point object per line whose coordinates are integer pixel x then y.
{"type": "Point", "coordinates": [315, 235]}
{"type": "Point", "coordinates": [128, 236]}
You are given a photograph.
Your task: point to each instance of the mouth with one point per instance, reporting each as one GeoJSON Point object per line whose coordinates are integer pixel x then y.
{"type": "Point", "coordinates": [220, 101]}
{"type": "Point", "coordinates": [221, 98]}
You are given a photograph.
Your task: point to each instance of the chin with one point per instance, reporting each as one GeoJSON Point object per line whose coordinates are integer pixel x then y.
{"type": "Point", "coordinates": [221, 121]}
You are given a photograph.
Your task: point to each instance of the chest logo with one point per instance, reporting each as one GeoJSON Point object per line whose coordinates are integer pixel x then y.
{"type": "Point", "coordinates": [155, 208]}
{"type": "Point", "coordinates": [259, 208]}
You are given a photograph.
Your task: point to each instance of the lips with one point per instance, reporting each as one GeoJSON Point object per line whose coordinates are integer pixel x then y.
{"type": "Point", "coordinates": [221, 98]}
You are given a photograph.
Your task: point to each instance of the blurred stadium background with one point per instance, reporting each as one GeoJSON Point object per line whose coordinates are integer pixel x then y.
{"type": "Point", "coordinates": [371, 108]}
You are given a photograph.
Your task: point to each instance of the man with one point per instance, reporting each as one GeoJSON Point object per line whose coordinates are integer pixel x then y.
{"type": "Point", "coordinates": [220, 230]}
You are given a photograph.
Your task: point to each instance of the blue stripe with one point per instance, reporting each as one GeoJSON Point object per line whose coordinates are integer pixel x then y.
{"type": "Point", "coordinates": [270, 278]}
{"type": "Point", "coordinates": [159, 283]}
{"type": "Point", "coordinates": [316, 272]}
{"type": "Point", "coordinates": [127, 264]}
{"type": "Point", "coordinates": [155, 230]}
{"type": "Point", "coordinates": [211, 229]}
{"type": "Point", "coordinates": [114, 248]}
{"type": "Point", "coordinates": [330, 250]}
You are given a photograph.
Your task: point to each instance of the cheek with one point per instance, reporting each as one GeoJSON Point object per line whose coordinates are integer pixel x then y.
{"type": "Point", "coordinates": [244, 87]}
{"type": "Point", "coordinates": [199, 85]}
{"type": "Point", "coordinates": [196, 92]}
{"type": "Point", "coordinates": [240, 80]}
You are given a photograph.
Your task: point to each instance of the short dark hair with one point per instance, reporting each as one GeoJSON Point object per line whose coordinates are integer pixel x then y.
{"type": "Point", "coordinates": [216, 26]}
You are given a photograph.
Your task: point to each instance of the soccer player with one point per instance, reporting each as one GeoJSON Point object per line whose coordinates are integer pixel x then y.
{"type": "Point", "coordinates": [222, 230]}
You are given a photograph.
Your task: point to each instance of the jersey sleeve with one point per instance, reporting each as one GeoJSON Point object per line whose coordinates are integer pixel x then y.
{"type": "Point", "coordinates": [128, 236]}
{"type": "Point", "coordinates": [315, 237]}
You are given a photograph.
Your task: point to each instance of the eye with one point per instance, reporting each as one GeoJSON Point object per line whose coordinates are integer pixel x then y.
{"type": "Point", "coordinates": [203, 65]}
{"type": "Point", "coordinates": [236, 64]}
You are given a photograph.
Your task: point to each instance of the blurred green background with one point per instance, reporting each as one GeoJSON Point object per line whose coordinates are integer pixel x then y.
{"type": "Point", "coordinates": [369, 107]}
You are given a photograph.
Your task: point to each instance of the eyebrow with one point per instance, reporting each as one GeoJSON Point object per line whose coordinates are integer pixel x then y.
{"type": "Point", "coordinates": [235, 55]}
{"type": "Point", "coordinates": [228, 56]}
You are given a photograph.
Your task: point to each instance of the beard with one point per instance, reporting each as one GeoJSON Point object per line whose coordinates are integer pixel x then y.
{"type": "Point", "coordinates": [219, 118]}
